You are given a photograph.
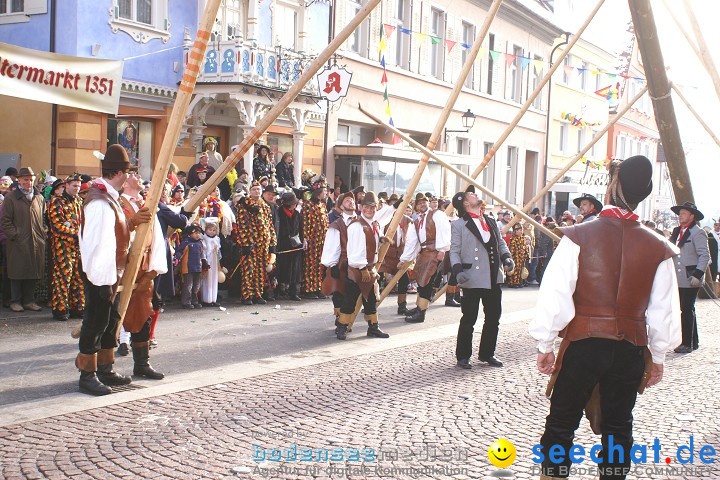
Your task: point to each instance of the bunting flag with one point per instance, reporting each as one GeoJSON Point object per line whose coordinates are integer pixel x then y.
{"type": "Point", "coordinates": [578, 121]}
{"type": "Point", "coordinates": [568, 70]}
{"type": "Point", "coordinates": [524, 61]}
{"type": "Point", "coordinates": [384, 80]}
{"type": "Point", "coordinates": [510, 59]}
{"type": "Point", "coordinates": [610, 93]}
{"type": "Point", "coordinates": [435, 40]}
{"type": "Point", "coordinates": [539, 66]}
{"type": "Point", "coordinates": [420, 37]}
{"type": "Point", "coordinates": [494, 55]}
{"type": "Point", "coordinates": [389, 29]}
{"type": "Point", "coordinates": [450, 45]}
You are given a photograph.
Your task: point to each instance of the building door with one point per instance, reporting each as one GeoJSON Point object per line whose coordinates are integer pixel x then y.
{"type": "Point", "coordinates": [531, 174]}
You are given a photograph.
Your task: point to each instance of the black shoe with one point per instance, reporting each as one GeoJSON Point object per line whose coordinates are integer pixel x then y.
{"type": "Point", "coordinates": [450, 301]}
{"type": "Point", "coordinates": [683, 349]}
{"type": "Point", "coordinates": [259, 301]}
{"type": "Point", "coordinates": [464, 363]}
{"type": "Point", "coordinates": [374, 331]}
{"type": "Point", "coordinates": [77, 314]}
{"type": "Point", "coordinates": [247, 302]}
{"type": "Point", "coordinates": [412, 311]}
{"type": "Point", "coordinates": [197, 305]}
{"type": "Point", "coordinates": [341, 332]}
{"type": "Point", "coordinates": [417, 317]}
{"type": "Point", "coordinates": [60, 315]}
{"type": "Point", "coordinates": [142, 367]}
{"type": "Point", "coordinates": [90, 384]}
{"type": "Point", "coordinates": [402, 308]}
{"type": "Point", "coordinates": [310, 295]}
{"type": "Point", "coordinates": [492, 361]}
{"type": "Point", "coordinates": [123, 350]}
{"type": "Point", "coordinates": [695, 347]}
{"type": "Point", "coordinates": [188, 306]}
{"type": "Point", "coordinates": [320, 295]}
{"type": "Point", "coordinates": [110, 377]}
{"type": "Point", "coordinates": [294, 298]}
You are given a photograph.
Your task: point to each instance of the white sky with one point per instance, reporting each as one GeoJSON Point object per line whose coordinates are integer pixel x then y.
{"type": "Point", "coordinates": [702, 154]}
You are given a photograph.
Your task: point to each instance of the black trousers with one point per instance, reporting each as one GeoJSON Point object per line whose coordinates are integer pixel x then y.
{"type": "Point", "coordinates": [687, 317]}
{"type": "Point", "coordinates": [426, 291]}
{"type": "Point", "coordinates": [338, 299]}
{"type": "Point", "coordinates": [470, 307]}
{"type": "Point", "coordinates": [143, 335]}
{"type": "Point", "coordinates": [403, 284]}
{"type": "Point", "coordinates": [618, 367]}
{"type": "Point", "coordinates": [352, 292]}
{"type": "Point", "coordinates": [99, 321]}
{"type": "Point", "coordinates": [289, 271]}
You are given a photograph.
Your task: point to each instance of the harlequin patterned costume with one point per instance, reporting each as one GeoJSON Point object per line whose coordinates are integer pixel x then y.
{"type": "Point", "coordinates": [315, 225]}
{"type": "Point", "coordinates": [518, 250]}
{"type": "Point", "coordinates": [64, 219]}
{"type": "Point", "coordinates": [253, 231]}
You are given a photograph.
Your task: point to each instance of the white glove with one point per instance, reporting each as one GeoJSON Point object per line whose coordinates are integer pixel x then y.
{"type": "Point", "coordinates": [695, 282]}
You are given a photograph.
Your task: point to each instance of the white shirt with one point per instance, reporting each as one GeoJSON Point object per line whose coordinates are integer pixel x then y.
{"type": "Point", "coordinates": [717, 237]}
{"type": "Point", "coordinates": [555, 308]}
{"type": "Point", "coordinates": [97, 240]}
{"type": "Point", "coordinates": [414, 240]}
{"type": "Point", "coordinates": [356, 246]}
{"type": "Point", "coordinates": [158, 260]}
{"type": "Point", "coordinates": [332, 248]}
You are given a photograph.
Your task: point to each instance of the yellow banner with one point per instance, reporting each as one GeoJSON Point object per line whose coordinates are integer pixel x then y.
{"type": "Point", "coordinates": [86, 83]}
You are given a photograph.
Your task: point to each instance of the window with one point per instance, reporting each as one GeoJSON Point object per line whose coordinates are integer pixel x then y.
{"type": "Point", "coordinates": [563, 137]}
{"type": "Point", "coordinates": [511, 174]}
{"type": "Point", "coordinates": [491, 47]}
{"type": "Point", "coordinates": [136, 137]}
{"type": "Point", "coordinates": [402, 42]}
{"type": "Point", "coordinates": [143, 20]}
{"type": "Point", "coordinates": [593, 149]}
{"type": "Point", "coordinates": [468, 35]}
{"type": "Point", "coordinates": [359, 40]}
{"type": "Point", "coordinates": [536, 78]}
{"type": "Point", "coordinates": [230, 21]}
{"type": "Point", "coordinates": [516, 76]}
{"type": "Point", "coordinates": [584, 72]}
{"type": "Point", "coordinates": [437, 50]}
{"type": "Point", "coordinates": [620, 151]}
{"type": "Point", "coordinates": [580, 139]}
{"type": "Point", "coordinates": [285, 24]}
{"type": "Point", "coordinates": [355, 135]}
{"type": "Point", "coordinates": [462, 146]}
{"type": "Point", "coordinates": [567, 62]}
{"type": "Point", "coordinates": [16, 6]}
{"type": "Point", "coordinates": [599, 81]}
{"type": "Point", "coordinates": [487, 176]}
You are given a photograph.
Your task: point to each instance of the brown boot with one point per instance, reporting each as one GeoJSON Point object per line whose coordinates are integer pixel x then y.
{"type": "Point", "coordinates": [105, 372]}
{"type": "Point", "coordinates": [89, 383]}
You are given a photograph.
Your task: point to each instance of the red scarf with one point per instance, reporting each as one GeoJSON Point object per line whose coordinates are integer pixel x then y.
{"type": "Point", "coordinates": [289, 213]}
{"type": "Point", "coordinates": [616, 212]}
{"type": "Point", "coordinates": [483, 224]}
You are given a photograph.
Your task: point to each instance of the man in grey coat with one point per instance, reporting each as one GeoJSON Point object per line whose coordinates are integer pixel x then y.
{"type": "Point", "coordinates": [22, 221]}
{"type": "Point", "coordinates": [477, 251]}
{"type": "Point", "coordinates": [690, 267]}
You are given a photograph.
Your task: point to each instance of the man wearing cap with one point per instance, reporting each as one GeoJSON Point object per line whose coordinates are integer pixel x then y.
{"type": "Point", "coordinates": [362, 247]}
{"type": "Point", "coordinates": [214, 157]}
{"type": "Point", "coordinates": [477, 253]}
{"type": "Point", "coordinates": [104, 242]}
{"type": "Point", "coordinates": [504, 219]}
{"type": "Point", "coordinates": [334, 255]}
{"type": "Point", "coordinates": [200, 169]}
{"type": "Point", "coordinates": [67, 293]}
{"type": "Point", "coordinates": [22, 220]}
{"type": "Point", "coordinates": [614, 338]}
{"type": "Point", "coordinates": [289, 247]}
{"type": "Point", "coordinates": [690, 265]}
{"type": "Point", "coordinates": [589, 207]}
{"type": "Point", "coordinates": [261, 163]}
{"type": "Point", "coordinates": [315, 225]}
{"type": "Point", "coordinates": [426, 243]}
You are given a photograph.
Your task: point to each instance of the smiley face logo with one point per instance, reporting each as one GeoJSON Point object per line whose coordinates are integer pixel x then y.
{"type": "Point", "coordinates": [501, 453]}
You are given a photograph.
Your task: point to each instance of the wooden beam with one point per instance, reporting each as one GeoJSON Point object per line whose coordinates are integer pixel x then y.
{"type": "Point", "coordinates": [695, 114]}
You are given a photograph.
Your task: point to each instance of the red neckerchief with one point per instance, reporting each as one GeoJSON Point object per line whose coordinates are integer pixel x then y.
{"type": "Point", "coordinates": [615, 212]}
{"type": "Point", "coordinates": [483, 224]}
{"type": "Point", "coordinates": [376, 228]}
{"type": "Point", "coordinates": [682, 232]}
{"type": "Point", "coordinates": [289, 213]}
{"type": "Point", "coordinates": [422, 219]}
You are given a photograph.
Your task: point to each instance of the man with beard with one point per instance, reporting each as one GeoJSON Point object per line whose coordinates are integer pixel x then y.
{"type": "Point", "coordinates": [254, 233]}
{"type": "Point", "coordinates": [589, 207]}
{"type": "Point", "coordinates": [200, 172]}
{"type": "Point", "coordinates": [64, 219]}
{"type": "Point", "coordinates": [315, 225]}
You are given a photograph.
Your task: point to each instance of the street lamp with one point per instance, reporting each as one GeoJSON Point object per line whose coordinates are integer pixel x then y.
{"type": "Point", "coordinates": [468, 121]}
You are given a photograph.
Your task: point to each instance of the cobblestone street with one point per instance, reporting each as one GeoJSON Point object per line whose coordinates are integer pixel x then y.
{"type": "Point", "coordinates": [409, 404]}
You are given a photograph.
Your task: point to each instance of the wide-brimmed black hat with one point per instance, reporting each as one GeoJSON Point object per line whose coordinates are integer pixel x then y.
{"type": "Point", "coordinates": [270, 188]}
{"type": "Point", "coordinates": [459, 198]}
{"type": "Point", "coordinates": [690, 207]}
{"type": "Point", "coordinates": [57, 184]}
{"type": "Point", "coordinates": [360, 189]}
{"type": "Point", "coordinates": [586, 196]}
{"type": "Point", "coordinates": [636, 178]}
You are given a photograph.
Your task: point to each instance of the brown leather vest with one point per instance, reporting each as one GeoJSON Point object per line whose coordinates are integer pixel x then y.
{"type": "Point", "coordinates": [330, 284]}
{"type": "Point", "coordinates": [617, 264]}
{"type": "Point", "coordinates": [394, 251]}
{"type": "Point", "coordinates": [340, 226]}
{"type": "Point", "coordinates": [370, 243]}
{"type": "Point", "coordinates": [122, 231]}
{"type": "Point", "coordinates": [429, 242]}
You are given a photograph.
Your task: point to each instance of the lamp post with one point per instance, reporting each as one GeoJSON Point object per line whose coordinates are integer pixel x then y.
{"type": "Point", "coordinates": [547, 122]}
{"type": "Point", "coordinates": [468, 121]}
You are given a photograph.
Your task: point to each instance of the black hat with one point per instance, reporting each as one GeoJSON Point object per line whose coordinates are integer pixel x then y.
{"type": "Point", "coordinates": [636, 178]}
{"type": "Point", "coordinates": [459, 198]}
{"type": "Point", "coordinates": [116, 158]}
{"type": "Point", "coordinates": [270, 188]}
{"type": "Point", "coordinates": [690, 207]}
{"type": "Point", "coordinates": [57, 184]}
{"type": "Point", "coordinates": [383, 195]}
{"type": "Point", "coordinates": [369, 199]}
{"type": "Point", "coordinates": [586, 196]}
{"type": "Point", "coordinates": [535, 211]}
{"type": "Point", "coordinates": [360, 189]}
{"type": "Point", "coordinates": [261, 146]}
{"type": "Point", "coordinates": [193, 228]}
{"type": "Point", "coordinates": [288, 198]}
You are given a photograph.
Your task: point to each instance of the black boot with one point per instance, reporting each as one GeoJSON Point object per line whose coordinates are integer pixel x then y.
{"type": "Point", "coordinates": [458, 297]}
{"type": "Point", "coordinates": [141, 356]}
{"type": "Point", "coordinates": [417, 317]}
{"type": "Point", "coordinates": [89, 383]}
{"type": "Point", "coordinates": [450, 300]}
{"type": "Point", "coordinates": [61, 315]}
{"type": "Point", "coordinates": [402, 308]}
{"type": "Point", "coordinates": [105, 372]}
{"type": "Point", "coordinates": [341, 331]}
{"type": "Point", "coordinates": [412, 311]}
{"type": "Point", "coordinates": [374, 331]}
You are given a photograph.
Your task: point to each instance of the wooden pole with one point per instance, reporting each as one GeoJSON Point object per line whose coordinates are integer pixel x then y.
{"type": "Point", "coordinates": [395, 279]}
{"type": "Point", "coordinates": [706, 57]}
{"type": "Point", "coordinates": [533, 96]}
{"type": "Point", "coordinates": [177, 117]}
{"type": "Point", "coordinates": [439, 293]}
{"type": "Point", "coordinates": [659, 88]}
{"type": "Point", "coordinates": [577, 157]}
{"type": "Point", "coordinates": [684, 32]}
{"type": "Point", "coordinates": [696, 114]}
{"type": "Point", "coordinates": [266, 121]}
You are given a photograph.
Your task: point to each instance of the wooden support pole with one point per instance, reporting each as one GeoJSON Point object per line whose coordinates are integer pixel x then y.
{"type": "Point", "coordinates": [705, 55]}
{"type": "Point", "coordinates": [394, 280]}
{"type": "Point", "coordinates": [659, 88]}
{"type": "Point", "coordinates": [266, 121]}
{"type": "Point", "coordinates": [577, 157]}
{"type": "Point", "coordinates": [696, 114]}
{"type": "Point", "coordinates": [185, 91]}
{"type": "Point", "coordinates": [532, 97]}
{"type": "Point", "coordinates": [684, 32]}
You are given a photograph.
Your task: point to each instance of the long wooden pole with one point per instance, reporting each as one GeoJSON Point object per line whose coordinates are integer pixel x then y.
{"type": "Point", "coordinates": [577, 157]}
{"type": "Point", "coordinates": [491, 153]}
{"type": "Point", "coordinates": [185, 91]}
{"type": "Point", "coordinates": [696, 114]}
{"type": "Point", "coordinates": [266, 121]}
{"type": "Point", "coordinates": [684, 32]}
{"type": "Point", "coordinates": [706, 57]}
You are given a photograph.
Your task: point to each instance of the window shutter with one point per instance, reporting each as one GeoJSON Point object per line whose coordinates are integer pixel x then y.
{"type": "Point", "coordinates": [34, 7]}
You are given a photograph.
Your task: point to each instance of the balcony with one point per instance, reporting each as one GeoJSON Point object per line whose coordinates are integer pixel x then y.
{"type": "Point", "coordinates": [238, 61]}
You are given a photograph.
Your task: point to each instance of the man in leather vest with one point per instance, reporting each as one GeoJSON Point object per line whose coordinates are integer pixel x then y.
{"type": "Point", "coordinates": [426, 243]}
{"type": "Point", "coordinates": [362, 247]}
{"type": "Point", "coordinates": [392, 263]}
{"type": "Point", "coordinates": [104, 240]}
{"type": "Point", "coordinates": [610, 292]}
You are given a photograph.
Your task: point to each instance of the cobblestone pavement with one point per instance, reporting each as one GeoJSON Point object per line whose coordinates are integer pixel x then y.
{"type": "Point", "coordinates": [410, 401]}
